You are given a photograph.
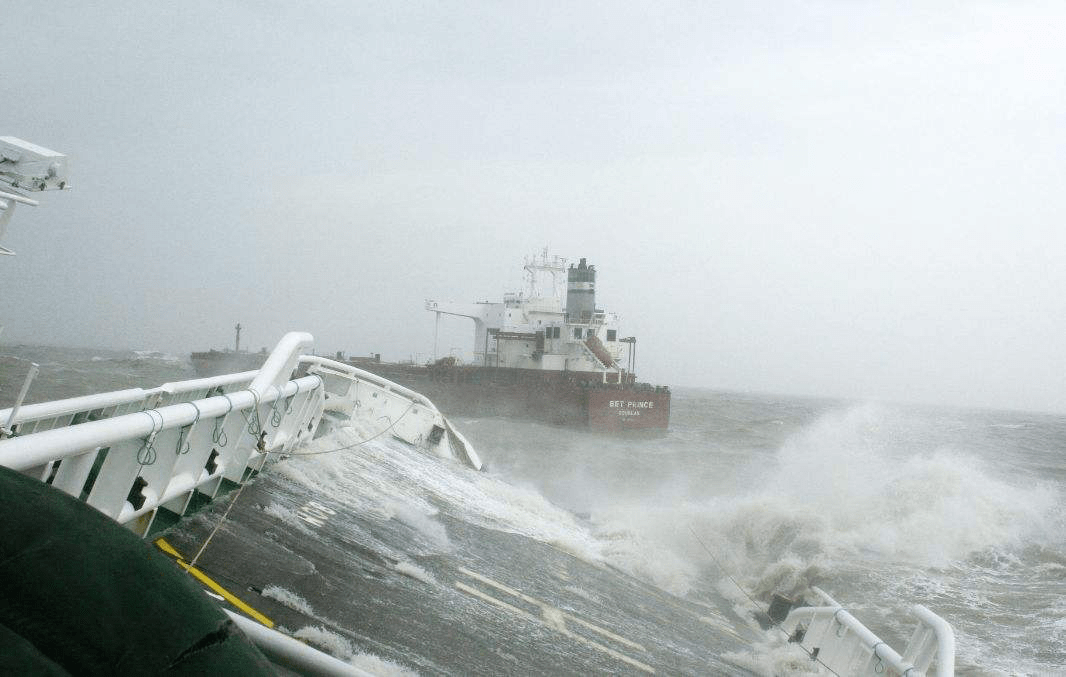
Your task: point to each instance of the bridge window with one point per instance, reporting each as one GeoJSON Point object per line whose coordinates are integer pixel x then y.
{"type": "Point", "coordinates": [612, 334]}
{"type": "Point", "coordinates": [555, 333]}
{"type": "Point", "coordinates": [577, 332]}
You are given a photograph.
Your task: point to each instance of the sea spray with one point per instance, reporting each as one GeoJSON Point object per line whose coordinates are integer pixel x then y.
{"type": "Point", "coordinates": [855, 501]}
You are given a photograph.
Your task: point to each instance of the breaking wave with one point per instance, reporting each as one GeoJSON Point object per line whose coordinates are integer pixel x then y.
{"type": "Point", "coordinates": [837, 491]}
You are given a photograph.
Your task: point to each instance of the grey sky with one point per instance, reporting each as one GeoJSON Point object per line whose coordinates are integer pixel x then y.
{"type": "Point", "coordinates": [851, 199]}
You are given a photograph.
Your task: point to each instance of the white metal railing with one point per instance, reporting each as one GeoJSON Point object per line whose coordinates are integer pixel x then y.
{"type": "Point", "coordinates": [134, 454]}
{"type": "Point", "coordinates": [369, 377]}
{"type": "Point", "coordinates": [359, 395]}
{"type": "Point", "coordinates": [32, 418]}
{"type": "Point", "coordinates": [130, 466]}
{"type": "Point", "coordinates": [843, 644]}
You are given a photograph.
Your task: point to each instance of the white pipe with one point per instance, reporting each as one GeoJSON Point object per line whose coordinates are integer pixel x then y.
{"type": "Point", "coordinates": [34, 368]}
{"type": "Point", "coordinates": [73, 405]}
{"type": "Point", "coordinates": [205, 383]}
{"type": "Point", "coordinates": [291, 653]}
{"type": "Point", "coordinates": [18, 198]}
{"type": "Point", "coordinates": [369, 376]}
{"type": "Point", "coordinates": [945, 640]}
{"type": "Point", "coordinates": [21, 453]}
{"type": "Point", "coordinates": [282, 361]}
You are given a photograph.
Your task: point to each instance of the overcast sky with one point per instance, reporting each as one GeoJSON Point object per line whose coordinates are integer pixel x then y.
{"type": "Point", "coordinates": [831, 198]}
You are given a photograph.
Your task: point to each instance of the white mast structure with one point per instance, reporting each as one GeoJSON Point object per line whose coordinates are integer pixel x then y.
{"type": "Point", "coordinates": [26, 168]}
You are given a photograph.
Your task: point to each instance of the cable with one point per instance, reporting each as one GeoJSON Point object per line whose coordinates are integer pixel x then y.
{"type": "Point", "coordinates": [813, 656]}
{"type": "Point", "coordinates": [360, 442]}
{"type": "Point", "coordinates": [218, 526]}
{"type": "Point", "coordinates": [237, 494]}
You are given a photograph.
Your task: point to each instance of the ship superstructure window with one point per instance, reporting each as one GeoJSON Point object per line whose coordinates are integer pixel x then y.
{"type": "Point", "coordinates": [577, 332]}
{"type": "Point", "coordinates": [555, 332]}
{"type": "Point", "coordinates": [612, 334]}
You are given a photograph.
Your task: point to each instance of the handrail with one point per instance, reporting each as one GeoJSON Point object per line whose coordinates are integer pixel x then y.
{"type": "Point", "coordinates": [292, 653]}
{"type": "Point", "coordinates": [74, 405]}
{"type": "Point", "coordinates": [945, 640]}
{"type": "Point", "coordinates": [369, 376]}
{"type": "Point", "coordinates": [22, 453]}
{"type": "Point", "coordinates": [841, 642]}
{"type": "Point", "coordinates": [176, 387]}
{"type": "Point", "coordinates": [282, 360]}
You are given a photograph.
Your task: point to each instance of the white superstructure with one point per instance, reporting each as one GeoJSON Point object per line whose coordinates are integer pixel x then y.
{"type": "Point", "coordinates": [538, 329]}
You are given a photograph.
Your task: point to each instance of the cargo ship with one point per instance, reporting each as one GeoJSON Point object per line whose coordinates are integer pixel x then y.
{"type": "Point", "coordinates": [537, 354]}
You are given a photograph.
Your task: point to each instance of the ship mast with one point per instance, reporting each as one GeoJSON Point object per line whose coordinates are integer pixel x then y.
{"type": "Point", "coordinates": [555, 265]}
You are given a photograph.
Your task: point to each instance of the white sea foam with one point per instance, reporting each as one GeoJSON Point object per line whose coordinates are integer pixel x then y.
{"type": "Point", "coordinates": [841, 494]}
{"type": "Point", "coordinates": [288, 516]}
{"type": "Point", "coordinates": [390, 480]}
{"type": "Point", "coordinates": [774, 658]}
{"type": "Point", "coordinates": [412, 570]}
{"type": "Point", "coordinates": [838, 490]}
{"type": "Point", "coordinates": [423, 523]}
{"type": "Point", "coordinates": [339, 647]}
{"type": "Point", "coordinates": [289, 599]}
{"type": "Point", "coordinates": [376, 665]}
{"type": "Point", "coordinates": [326, 640]}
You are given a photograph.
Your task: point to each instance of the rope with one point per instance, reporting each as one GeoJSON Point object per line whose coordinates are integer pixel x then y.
{"type": "Point", "coordinates": [812, 655]}
{"type": "Point", "coordinates": [233, 501]}
{"type": "Point", "coordinates": [261, 447]}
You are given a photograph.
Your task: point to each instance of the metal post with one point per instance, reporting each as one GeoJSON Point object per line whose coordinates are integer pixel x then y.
{"type": "Point", "coordinates": [436, 334]}
{"type": "Point", "coordinates": [30, 375]}
{"type": "Point", "coordinates": [237, 345]}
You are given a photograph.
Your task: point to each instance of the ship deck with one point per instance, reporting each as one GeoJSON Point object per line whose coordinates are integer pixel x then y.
{"type": "Point", "coordinates": [483, 602]}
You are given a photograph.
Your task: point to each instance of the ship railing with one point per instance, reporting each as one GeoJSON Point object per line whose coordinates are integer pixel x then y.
{"type": "Point", "coordinates": [370, 377]}
{"type": "Point", "coordinates": [32, 418]}
{"type": "Point", "coordinates": [843, 644]}
{"type": "Point", "coordinates": [147, 468]}
{"type": "Point", "coordinates": [293, 654]}
{"type": "Point", "coordinates": [360, 395]}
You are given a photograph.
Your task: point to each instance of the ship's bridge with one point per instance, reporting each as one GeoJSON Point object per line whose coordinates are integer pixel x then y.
{"type": "Point", "coordinates": [535, 330]}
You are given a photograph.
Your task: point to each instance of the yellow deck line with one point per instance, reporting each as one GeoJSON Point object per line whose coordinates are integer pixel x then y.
{"type": "Point", "coordinates": [206, 580]}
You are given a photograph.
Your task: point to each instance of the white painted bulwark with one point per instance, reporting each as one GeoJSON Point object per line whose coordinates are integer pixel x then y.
{"type": "Point", "coordinates": [133, 452]}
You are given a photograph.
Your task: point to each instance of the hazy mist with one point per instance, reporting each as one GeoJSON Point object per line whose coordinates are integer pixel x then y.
{"type": "Point", "coordinates": [843, 199]}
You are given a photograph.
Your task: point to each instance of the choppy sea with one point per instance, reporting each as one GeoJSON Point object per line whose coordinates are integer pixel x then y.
{"type": "Point", "coordinates": [882, 505]}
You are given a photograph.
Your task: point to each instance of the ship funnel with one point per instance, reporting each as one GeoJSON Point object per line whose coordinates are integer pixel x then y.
{"type": "Point", "coordinates": [580, 292]}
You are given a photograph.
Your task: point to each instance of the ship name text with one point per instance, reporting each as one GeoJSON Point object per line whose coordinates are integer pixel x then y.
{"type": "Point", "coordinates": [632, 405]}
